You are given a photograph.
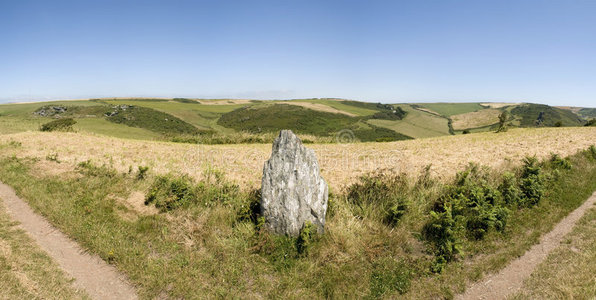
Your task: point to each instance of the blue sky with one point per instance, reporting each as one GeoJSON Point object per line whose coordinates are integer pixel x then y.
{"type": "Point", "coordinates": [390, 51]}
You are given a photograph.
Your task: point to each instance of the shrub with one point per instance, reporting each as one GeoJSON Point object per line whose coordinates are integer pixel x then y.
{"type": "Point", "coordinates": [443, 230]}
{"type": "Point", "coordinates": [471, 206]}
{"type": "Point", "coordinates": [591, 123]}
{"type": "Point", "coordinates": [592, 151]}
{"type": "Point", "coordinates": [560, 163]}
{"type": "Point", "coordinates": [142, 173]}
{"type": "Point", "coordinates": [558, 124]}
{"type": "Point", "coordinates": [168, 192]}
{"type": "Point", "coordinates": [503, 121]}
{"type": "Point", "coordinates": [509, 189]}
{"type": "Point", "coordinates": [389, 275]}
{"type": "Point", "coordinates": [466, 131]}
{"type": "Point", "coordinates": [532, 182]}
{"type": "Point", "coordinates": [59, 125]}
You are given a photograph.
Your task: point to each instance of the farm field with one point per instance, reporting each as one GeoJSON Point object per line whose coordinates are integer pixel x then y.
{"type": "Point", "coordinates": [340, 164]}
{"type": "Point", "coordinates": [417, 124]}
{"type": "Point", "coordinates": [450, 109]}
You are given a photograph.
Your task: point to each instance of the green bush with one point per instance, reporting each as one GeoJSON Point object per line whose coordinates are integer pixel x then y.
{"type": "Point", "coordinates": [389, 275]}
{"type": "Point", "coordinates": [59, 125]}
{"type": "Point", "coordinates": [168, 192]}
{"type": "Point", "coordinates": [532, 182]}
{"type": "Point", "coordinates": [510, 190]}
{"type": "Point", "coordinates": [142, 173]}
{"type": "Point", "coordinates": [557, 162]}
{"type": "Point", "coordinates": [470, 207]}
{"type": "Point", "coordinates": [592, 151]}
{"type": "Point", "coordinates": [443, 230]}
{"type": "Point", "coordinates": [591, 123]}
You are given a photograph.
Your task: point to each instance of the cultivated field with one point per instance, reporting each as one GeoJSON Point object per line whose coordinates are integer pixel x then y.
{"type": "Point", "coordinates": [340, 164]}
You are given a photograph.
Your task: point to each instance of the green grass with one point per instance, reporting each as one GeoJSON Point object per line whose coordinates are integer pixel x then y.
{"type": "Point", "coordinates": [104, 127]}
{"type": "Point", "coordinates": [450, 109]}
{"type": "Point", "coordinates": [26, 272]}
{"type": "Point", "coordinates": [417, 124]}
{"type": "Point", "coordinates": [568, 272]}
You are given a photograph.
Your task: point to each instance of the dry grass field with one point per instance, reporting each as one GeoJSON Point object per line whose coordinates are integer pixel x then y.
{"type": "Point", "coordinates": [476, 119]}
{"type": "Point", "coordinates": [341, 164]}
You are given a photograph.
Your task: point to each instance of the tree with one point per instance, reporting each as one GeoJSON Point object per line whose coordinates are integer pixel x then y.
{"type": "Point", "coordinates": [503, 117]}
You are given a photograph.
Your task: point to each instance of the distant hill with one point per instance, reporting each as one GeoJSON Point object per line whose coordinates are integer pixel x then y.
{"type": "Point", "coordinates": [166, 119]}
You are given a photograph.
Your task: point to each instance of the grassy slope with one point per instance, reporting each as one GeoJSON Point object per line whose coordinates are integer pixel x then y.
{"type": "Point", "coordinates": [568, 272]}
{"type": "Point", "coordinates": [417, 124]}
{"type": "Point", "coordinates": [200, 115]}
{"type": "Point", "coordinates": [449, 109]}
{"type": "Point", "coordinates": [105, 127]}
{"type": "Point", "coordinates": [26, 272]}
{"type": "Point", "coordinates": [527, 114]}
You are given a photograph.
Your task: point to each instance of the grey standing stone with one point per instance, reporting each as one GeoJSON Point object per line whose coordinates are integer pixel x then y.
{"type": "Point", "coordinates": [292, 189]}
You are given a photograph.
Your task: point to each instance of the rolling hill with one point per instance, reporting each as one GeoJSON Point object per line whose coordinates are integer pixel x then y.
{"type": "Point", "coordinates": [221, 120]}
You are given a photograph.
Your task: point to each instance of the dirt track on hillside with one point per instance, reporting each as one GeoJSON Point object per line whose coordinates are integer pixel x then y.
{"type": "Point", "coordinates": [99, 279]}
{"type": "Point", "coordinates": [511, 279]}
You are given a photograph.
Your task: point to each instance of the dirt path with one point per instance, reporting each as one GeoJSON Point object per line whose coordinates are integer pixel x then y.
{"type": "Point", "coordinates": [99, 279]}
{"type": "Point", "coordinates": [511, 279]}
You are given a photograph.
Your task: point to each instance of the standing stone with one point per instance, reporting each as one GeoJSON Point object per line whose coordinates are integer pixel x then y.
{"type": "Point", "coordinates": [292, 189]}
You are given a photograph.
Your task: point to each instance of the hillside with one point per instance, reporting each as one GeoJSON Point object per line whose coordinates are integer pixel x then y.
{"type": "Point", "coordinates": [249, 121]}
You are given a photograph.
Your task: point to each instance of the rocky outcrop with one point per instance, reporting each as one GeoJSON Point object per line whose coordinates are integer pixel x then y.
{"type": "Point", "coordinates": [292, 190]}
